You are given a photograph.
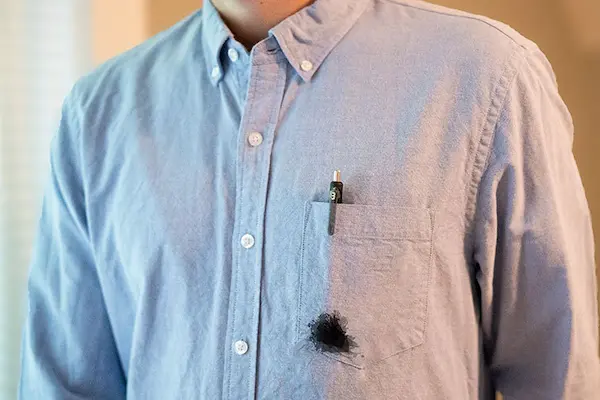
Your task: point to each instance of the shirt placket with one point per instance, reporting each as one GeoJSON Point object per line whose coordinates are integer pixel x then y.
{"type": "Point", "coordinates": [255, 140]}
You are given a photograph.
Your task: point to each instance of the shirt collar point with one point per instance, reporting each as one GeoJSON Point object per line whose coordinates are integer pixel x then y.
{"type": "Point", "coordinates": [306, 76]}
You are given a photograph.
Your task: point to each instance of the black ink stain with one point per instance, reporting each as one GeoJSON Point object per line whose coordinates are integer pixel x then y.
{"type": "Point", "coordinates": [328, 334]}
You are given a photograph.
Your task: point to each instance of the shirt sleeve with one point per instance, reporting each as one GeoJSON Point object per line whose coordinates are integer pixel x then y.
{"type": "Point", "coordinates": [534, 248]}
{"type": "Point", "coordinates": [68, 350]}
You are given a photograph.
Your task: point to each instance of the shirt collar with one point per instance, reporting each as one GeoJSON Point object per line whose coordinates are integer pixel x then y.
{"type": "Point", "coordinates": [305, 37]}
{"type": "Point", "coordinates": [214, 35]}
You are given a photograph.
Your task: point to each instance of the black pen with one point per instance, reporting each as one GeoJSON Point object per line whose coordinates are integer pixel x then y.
{"type": "Point", "coordinates": [336, 188]}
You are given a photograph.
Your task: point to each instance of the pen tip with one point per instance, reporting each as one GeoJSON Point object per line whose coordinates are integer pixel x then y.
{"type": "Point", "coordinates": [337, 176]}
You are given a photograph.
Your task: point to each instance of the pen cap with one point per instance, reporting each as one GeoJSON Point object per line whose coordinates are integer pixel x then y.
{"type": "Point", "coordinates": [337, 176]}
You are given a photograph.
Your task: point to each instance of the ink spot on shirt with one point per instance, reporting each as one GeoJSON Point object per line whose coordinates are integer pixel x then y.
{"type": "Point", "coordinates": [328, 333]}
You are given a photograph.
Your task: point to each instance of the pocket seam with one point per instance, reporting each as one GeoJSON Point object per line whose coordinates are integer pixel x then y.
{"type": "Point", "coordinates": [301, 272]}
{"type": "Point", "coordinates": [383, 216]}
{"type": "Point", "coordinates": [429, 273]}
{"type": "Point", "coordinates": [427, 288]}
{"type": "Point", "coordinates": [384, 237]}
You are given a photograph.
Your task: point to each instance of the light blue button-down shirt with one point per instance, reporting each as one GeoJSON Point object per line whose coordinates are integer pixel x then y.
{"type": "Point", "coordinates": [182, 249]}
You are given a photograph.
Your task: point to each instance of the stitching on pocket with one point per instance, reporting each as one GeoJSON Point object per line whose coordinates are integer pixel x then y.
{"type": "Point", "coordinates": [429, 272]}
{"type": "Point", "coordinates": [383, 222]}
{"type": "Point", "coordinates": [342, 360]}
{"type": "Point", "coordinates": [299, 307]}
{"type": "Point", "coordinates": [426, 297]}
{"type": "Point", "coordinates": [383, 237]}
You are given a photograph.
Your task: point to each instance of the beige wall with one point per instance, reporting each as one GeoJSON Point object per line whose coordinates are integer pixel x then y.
{"type": "Point", "coordinates": [117, 25]}
{"type": "Point", "coordinates": [120, 25]}
{"type": "Point", "coordinates": [164, 13]}
{"type": "Point", "coordinates": [584, 16]}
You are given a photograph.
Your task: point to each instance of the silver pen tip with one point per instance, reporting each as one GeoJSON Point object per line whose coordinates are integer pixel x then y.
{"type": "Point", "coordinates": [337, 176]}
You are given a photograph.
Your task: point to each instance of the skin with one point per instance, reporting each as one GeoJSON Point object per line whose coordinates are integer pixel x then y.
{"type": "Point", "coordinates": [250, 20]}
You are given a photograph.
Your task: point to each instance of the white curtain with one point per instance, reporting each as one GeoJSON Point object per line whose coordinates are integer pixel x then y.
{"type": "Point", "coordinates": [44, 47]}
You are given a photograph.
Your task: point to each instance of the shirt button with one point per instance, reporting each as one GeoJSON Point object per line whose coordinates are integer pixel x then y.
{"type": "Point", "coordinates": [247, 241]}
{"type": "Point", "coordinates": [255, 139]}
{"type": "Point", "coordinates": [215, 72]}
{"type": "Point", "coordinates": [306, 65]}
{"type": "Point", "coordinates": [233, 55]}
{"type": "Point", "coordinates": [241, 347]}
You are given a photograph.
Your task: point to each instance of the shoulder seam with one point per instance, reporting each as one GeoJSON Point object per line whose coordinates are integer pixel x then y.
{"type": "Point", "coordinates": [485, 140]}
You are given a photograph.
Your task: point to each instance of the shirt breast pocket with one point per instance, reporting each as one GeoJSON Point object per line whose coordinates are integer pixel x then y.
{"type": "Point", "coordinates": [374, 271]}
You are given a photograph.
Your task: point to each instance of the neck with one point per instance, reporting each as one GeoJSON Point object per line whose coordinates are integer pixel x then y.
{"type": "Point", "coordinates": [250, 20]}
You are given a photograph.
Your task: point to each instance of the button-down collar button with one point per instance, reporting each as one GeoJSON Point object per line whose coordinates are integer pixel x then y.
{"type": "Point", "coordinates": [306, 65]}
{"type": "Point", "coordinates": [233, 55]}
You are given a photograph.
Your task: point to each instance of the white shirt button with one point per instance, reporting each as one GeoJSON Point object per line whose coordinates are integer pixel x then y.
{"type": "Point", "coordinates": [255, 139]}
{"type": "Point", "coordinates": [233, 55]}
{"type": "Point", "coordinates": [215, 72]}
{"type": "Point", "coordinates": [241, 347]}
{"type": "Point", "coordinates": [306, 65]}
{"type": "Point", "coordinates": [247, 241]}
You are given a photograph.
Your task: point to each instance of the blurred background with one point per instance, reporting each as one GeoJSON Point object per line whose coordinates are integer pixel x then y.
{"type": "Point", "coordinates": [45, 46]}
